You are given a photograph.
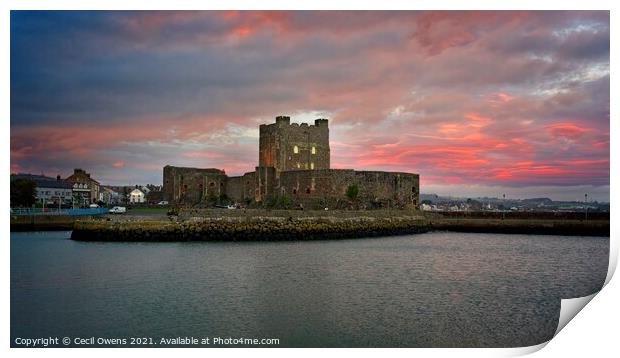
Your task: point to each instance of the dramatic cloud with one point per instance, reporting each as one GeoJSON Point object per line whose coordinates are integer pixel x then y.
{"type": "Point", "coordinates": [499, 100]}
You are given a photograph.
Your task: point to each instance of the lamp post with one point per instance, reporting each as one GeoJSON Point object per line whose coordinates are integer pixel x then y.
{"type": "Point", "coordinates": [586, 206]}
{"type": "Point", "coordinates": [504, 207]}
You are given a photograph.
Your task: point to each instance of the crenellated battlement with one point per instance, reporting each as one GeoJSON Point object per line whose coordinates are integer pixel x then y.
{"type": "Point", "coordinates": [286, 121]}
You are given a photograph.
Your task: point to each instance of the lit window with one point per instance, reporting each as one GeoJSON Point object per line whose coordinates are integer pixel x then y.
{"type": "Point", "coordinates": [295, 149]}
{"type": "Point", "coordinates": [313, 150]}
{"type": "Point", "coordinates": [311, 165]}
{"type": "Point", "coordinates": [298, 166]}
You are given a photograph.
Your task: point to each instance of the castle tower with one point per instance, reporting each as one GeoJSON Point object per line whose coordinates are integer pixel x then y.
{"type": "Point", "coordinates": [286, 147]}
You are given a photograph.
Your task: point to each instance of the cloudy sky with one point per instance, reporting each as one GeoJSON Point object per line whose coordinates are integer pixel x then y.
{"type": "Point", "coordinates": [477, 103]}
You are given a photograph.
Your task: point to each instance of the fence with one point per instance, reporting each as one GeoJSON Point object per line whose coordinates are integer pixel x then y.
{"type": "Point", "coordinates": [56, 211]}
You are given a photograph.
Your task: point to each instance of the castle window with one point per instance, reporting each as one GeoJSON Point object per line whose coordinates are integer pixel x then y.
{"type": "Point", "coordinates": [305, 165]}
{"type": "Point", "coordinates": [313, 150]}
{"type": "Point", "coordinates": [311, 165]}
{"type": "Point", "coordinates": [294, 191]}
{"type": "Point", "coordinates": [295, 149]}
{"type": "Point", "coordinates": [211, 184]}
{"type": "Point", "coordinates": [307, 190]}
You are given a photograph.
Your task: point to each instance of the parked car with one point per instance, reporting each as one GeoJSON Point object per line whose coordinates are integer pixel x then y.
{"type": "Point", "coordinates": [225, 206]}
{"type": "Point", "coordinates": [162, 203]}
{"type": "Point", "coordinates": [93, 206]}
{"type": "Point", "coordinates": [118, 210]}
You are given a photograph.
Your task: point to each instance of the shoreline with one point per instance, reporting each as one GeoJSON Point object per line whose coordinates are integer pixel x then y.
{"type": "Point", "coordinates": [289, 229]}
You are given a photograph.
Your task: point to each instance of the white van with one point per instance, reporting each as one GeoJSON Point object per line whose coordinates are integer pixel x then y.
{"type": "Point", "coordinates": [118, 210]}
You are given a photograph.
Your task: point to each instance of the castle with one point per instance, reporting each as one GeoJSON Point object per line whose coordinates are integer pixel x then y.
{"type": "Point", "coordinates": [293, 168]}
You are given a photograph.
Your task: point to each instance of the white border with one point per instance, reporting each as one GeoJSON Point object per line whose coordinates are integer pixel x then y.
{"type": "Point", "coordinates": [594, 330]}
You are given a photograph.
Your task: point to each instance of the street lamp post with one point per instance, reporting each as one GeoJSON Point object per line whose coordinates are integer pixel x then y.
{"type": "Point", "coordinates": [504, 207]}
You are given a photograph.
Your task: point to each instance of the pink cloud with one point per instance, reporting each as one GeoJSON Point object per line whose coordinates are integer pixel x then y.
{"type": "Point", "coordinates": [459, 97]}
{"type": "Point", "coordinates": [568, 130]}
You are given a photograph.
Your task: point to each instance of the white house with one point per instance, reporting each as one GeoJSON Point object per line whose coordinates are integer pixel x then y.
{"type": "Point", "coordinates": [137, 196]}
{"type": "Point", "coordinates": [426, 207]}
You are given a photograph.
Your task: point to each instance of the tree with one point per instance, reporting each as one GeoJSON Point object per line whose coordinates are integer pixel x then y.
{"type": "Point", "coordinates": [125, 198]}
{"type": "Point", "coordinates": [23, 192]}
{"type": "Point", "coordinates": [352, 191]}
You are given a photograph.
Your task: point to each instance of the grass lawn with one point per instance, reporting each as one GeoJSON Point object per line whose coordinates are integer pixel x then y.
{"type": "Point", "coordinates": [148, 211]}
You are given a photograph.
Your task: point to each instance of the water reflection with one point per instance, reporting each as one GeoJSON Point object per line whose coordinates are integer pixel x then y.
{"type": "Point", "coordinates": [435, 289]}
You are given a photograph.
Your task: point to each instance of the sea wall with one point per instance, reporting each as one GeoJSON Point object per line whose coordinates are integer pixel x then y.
{"type": "Point", "coordinates": [523, 226]}
{"type": "Point", "coordinates": [41, 222]}
{"type": "Point", "coordinates": [262, 229]}
{"type": "Point", "coordinates": [241, 230]}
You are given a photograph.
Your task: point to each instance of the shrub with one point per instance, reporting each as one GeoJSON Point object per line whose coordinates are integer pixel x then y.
{"type": "Point", "coordinates": [352, 191]}
{"type": "Point", "coordinates": [285, 202]}
{"type": "Point", "coordinates": [271, 202]}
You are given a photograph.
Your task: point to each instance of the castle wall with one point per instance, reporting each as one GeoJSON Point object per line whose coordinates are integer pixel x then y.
{"type": "Point", "coordinates": [328, 187]}
{"type": "Point", "coordinates": [391, 188]}
{"type": "Point", "coordinates": [240, 189]}
{"type": "Point", "coordinates": [234, 188]}
{"type": "Point", "coordinates": [264, 181]}
{"type": "Point", "coordinates": [193, 185]}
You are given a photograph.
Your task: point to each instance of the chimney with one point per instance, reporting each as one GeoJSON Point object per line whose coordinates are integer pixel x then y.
{"type": "Point", "coordinates": [57, 177]}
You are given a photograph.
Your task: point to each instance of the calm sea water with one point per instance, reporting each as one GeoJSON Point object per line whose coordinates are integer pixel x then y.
{"type": "Point", "coordinates": [428, 290]}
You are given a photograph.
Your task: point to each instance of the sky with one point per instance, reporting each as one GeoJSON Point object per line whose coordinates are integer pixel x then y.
{"type": "Point", "coordinates": [479, 103]}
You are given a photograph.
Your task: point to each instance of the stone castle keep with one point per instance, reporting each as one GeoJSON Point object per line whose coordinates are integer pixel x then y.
{"type": "Point", "coordinates": [294, 168]}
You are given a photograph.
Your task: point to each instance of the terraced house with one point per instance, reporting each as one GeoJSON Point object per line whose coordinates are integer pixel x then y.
{"type": "Point", "coordinates": [85, 188]}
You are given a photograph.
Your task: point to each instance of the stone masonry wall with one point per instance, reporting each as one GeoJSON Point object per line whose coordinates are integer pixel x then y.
{"type": "Point", "coordinates": [287, 146]}
{"type": "Point", "coordinates": [329, 187]}
{"type": "Point", "coordinates": [241, 189]}
{"type": "Point", "coordinates": [193, 185]}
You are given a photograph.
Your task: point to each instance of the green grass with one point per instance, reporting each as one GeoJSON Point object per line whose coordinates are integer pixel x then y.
{"type": "Point", "coordinates": [162, 211]}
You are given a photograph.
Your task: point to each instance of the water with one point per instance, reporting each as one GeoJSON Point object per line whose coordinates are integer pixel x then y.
{"type": "Point", "coordinates": [428, 290]}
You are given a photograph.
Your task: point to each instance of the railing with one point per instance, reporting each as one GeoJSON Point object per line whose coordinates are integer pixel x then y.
{"type": "Point", "coordinates": [56, 211]}
{"type": "Point", "coordinates": [95, 211]}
